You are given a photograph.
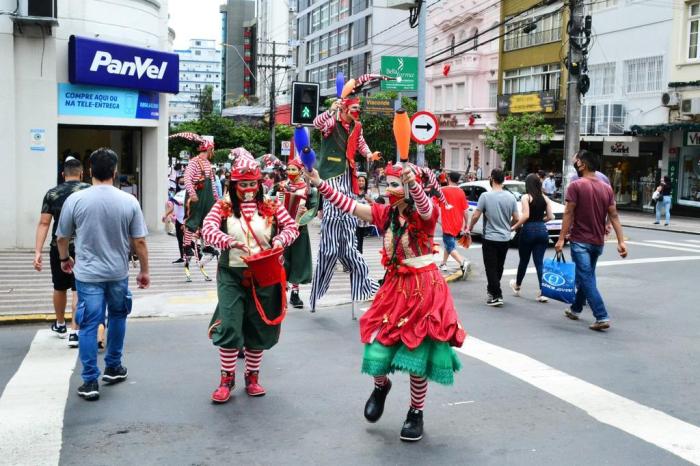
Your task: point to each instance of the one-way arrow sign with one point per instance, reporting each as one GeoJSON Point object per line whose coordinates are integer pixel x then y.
{"type": "Point", "coordinates": [424, 128]}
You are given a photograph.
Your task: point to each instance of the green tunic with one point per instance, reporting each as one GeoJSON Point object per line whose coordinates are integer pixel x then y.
{"type": "Point", "coordinates": [297, 259]}
{"type": "Point", "coordinates": [331, 160]}
{"type": "Point", "coordinates": [198, 210]}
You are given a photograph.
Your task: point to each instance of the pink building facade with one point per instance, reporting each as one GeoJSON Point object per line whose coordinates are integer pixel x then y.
{"type": "Point", "coordinates": [462, 90]}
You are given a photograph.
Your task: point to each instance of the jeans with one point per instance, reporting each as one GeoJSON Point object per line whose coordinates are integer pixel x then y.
{"type": "Point", "coordinates": [494, 253]}
{"type": "Point", "coordinates": [665, 201]}
{"type": "Point", "coordinates": [93, 300]}
{"type": "Point", "coordinates": [585, 256]}
{"type": "Point", "coordinates": [533, 241]}
{"type": "Point", "coordinates": [449, 242]}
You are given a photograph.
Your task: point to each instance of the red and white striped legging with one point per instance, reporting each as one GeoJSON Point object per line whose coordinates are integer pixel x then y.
{"type": "Point", "coordinates": [229, 358]}
{"type": "Point", "coordinates": [419, 389]}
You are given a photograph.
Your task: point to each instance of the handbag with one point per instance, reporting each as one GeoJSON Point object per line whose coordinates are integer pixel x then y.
{"type": "Point", "coordinates": [656, 195]}
{"type": "Point", "coordinates": [559, 279]}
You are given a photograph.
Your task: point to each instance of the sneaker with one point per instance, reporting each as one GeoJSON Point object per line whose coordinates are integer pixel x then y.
{"type": "Point", "coordinates": [412, 429]}
{"type": "Point", "coordinates": [600, 325]}
{"type": "Point", "coordinates": [494, 302]}
{"type": "Point", "coordinates": [73, 340]}
{"type": "Point", "coordinates": [656, 223]}
{"type": "Point", "coordinates": [179, 260]}
{"type": "Point", "coordinates": [60, 330]}
{"type": "Point", "coordinates": [295, 300]}
{"type": "Point", "coordinates": [114, 375]}
{"type": "Point", "coordinates": [89, 391]}
{"type": "Point", "coordinates": [542, 299]}
{"type": "Point", "coordinates": [514, 286]}
{"type": "Point", "coordinates": [571, 314]}
{"type": "Point", "coordinates": [443, 267]}
{"type": "Point", "coordinates": [466, 268]}
{"type": "Point", "coordinates": [666, 224]}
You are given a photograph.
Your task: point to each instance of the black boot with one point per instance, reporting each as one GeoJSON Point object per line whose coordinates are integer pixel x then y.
{"type": "Point", "coordinates": [412, 430]}
{"type": "Point", "coordinates": [295, 300]}
{"type": "Point", "coordinates": [374, 408]}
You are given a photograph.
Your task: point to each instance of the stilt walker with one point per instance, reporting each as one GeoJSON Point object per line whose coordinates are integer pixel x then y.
{"type": "Point", "coordinates": [252, 232]}
{"type": "Point", "coordinates": [412, 325]}
{"type": "Point", "coordinates": [297, 198]}
{"type": "Point", "coordinates": [342, 140]}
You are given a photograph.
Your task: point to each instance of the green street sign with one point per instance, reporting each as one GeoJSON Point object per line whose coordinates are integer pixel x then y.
{"type": "Point", "coordinates": [403, 69]}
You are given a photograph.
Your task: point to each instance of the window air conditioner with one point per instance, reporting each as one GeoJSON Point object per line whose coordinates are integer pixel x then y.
{"type": "Point", "coordinates": [690, 106]}
{"type": "Point", "coordinates": [670, 99]}
{"type": "Point", "coordinates": [38, 8]}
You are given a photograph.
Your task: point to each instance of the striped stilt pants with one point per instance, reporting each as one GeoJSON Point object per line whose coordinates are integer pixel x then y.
{"type": "Point", "coordinates": [339, 243]}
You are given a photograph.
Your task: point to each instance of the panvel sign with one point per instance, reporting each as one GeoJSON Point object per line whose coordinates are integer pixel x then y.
{"type": "Point", "coordinates": [106, 102]}
{"type": "Point", "coordinates": [103, 63]}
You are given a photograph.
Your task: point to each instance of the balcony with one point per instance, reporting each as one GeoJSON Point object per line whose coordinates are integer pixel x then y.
{"type": "Point", "coordinates": [468, 63]}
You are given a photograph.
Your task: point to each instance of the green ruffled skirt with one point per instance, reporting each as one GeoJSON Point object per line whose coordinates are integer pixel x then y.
{"type": "Point", "coordinates": [435, 360]}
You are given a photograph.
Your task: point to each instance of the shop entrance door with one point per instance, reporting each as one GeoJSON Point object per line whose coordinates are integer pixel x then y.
{"type": "Point", "coordinates": [80, 141]}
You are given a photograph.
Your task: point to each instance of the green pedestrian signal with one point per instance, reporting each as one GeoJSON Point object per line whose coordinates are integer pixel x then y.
{"type": "Point", "coordinates": [305, 102]}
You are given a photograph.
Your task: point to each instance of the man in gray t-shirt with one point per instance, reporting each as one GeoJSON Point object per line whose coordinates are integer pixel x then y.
{"type": "Point", "coordinates": [107, 224]}
{"type": "Point", "coordinates": [500, 210]}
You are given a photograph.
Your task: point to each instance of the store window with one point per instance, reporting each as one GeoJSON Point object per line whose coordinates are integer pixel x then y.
{"type": "Point", "coordinates": [689, 177]}
{"type": "Point", "coordinates": [693, 26]}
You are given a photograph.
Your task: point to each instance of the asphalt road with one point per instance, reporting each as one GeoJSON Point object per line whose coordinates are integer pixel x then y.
{"type": "Point", "coordinates": [589, 405]}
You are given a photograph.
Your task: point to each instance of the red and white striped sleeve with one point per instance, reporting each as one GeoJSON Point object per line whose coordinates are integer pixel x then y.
{"type": "Point", "coordinates": [211, 228]}
{"type": "Point", "coordinates": [325, 122]}
{"type": "Point", "coordinates": [423, 204]}
{"type": "Point", "coordinates": [340, 200]}
{"type": "Point", "coordinates": [362, 146]}
{"type": "Point", "coordinates": [191, 174]}
{"type": "Point", "coordinates": [288, 231]}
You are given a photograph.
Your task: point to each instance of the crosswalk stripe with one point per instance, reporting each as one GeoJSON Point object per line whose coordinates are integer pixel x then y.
{"type": "Point", "coordinates": [692, 241]}
{"type": "Point", "coordinates": [646, 260]}
{"type": "Point", "coordinates": [649, 424]}
{"type": "Point", "coordinates": [671, 243]}
{"type": "Point", "coordinates": [33, 403]}
{"type": "Point", "coordinates": [662, 246]}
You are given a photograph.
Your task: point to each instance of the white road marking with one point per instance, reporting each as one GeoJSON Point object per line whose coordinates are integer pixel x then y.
{"type": "Point", "coordinates": [646, 260]}
{"type": "Point", "coordinates": [457, 403]}
{"type": "Point", "coordinates": [649, 424]}
{"type": "Point", "coordinates": [692, 241]}
{"type": "Point", "coordinates": [672, 243]}
{"type": "Point", "coordinates": [33, 403]}
{"type": "Point", "coordinates": [661, 246]}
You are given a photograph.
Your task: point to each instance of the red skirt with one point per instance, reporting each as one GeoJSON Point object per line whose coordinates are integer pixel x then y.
{"type": "Point", "coordinates": [412, 304]}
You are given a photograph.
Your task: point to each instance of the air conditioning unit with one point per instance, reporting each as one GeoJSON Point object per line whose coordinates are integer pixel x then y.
{"type": "Point", "coordinates": [670, 99]}
{"type": "Point", "coordinates": [401, 4]}
{"type": "Point", "coordinates": [38, 8]}
{"type": "Point", "coordinates": [690, 106]}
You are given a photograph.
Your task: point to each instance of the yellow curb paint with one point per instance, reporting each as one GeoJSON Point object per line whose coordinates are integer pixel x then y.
{"type": "Point", "coordinates": [208, 299]}
{"type": "Point", "coordinates": [29, 318]}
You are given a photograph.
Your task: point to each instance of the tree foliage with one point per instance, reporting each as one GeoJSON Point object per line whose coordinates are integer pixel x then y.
{"type": "Point", "coordinates": [205, 101]}
{"type": "Point", "coordinates": [529, 129]}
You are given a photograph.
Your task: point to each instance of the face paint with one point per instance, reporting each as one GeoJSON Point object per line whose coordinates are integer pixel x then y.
{"type": "Point", "coordinates": [355, 114]}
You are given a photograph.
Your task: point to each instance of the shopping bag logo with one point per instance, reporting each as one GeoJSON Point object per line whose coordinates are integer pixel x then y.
{"type": "Point", "coordinates": [553, 279]}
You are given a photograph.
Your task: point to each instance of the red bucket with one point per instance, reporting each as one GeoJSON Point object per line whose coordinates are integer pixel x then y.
{"type": "Point", "coordinates": [267, 267]}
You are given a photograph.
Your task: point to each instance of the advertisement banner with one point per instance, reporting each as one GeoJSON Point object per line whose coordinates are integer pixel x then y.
{"type": "Point", "coordinates": [618, 148]}
{"type": "Point", "coordinates": [107, 102]}
{"type": "Point", "coordinates": [101, 63]}
{"type": "Point", "coordinates": [404, 70]}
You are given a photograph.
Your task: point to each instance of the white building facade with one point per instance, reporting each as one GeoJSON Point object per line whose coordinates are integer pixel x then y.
{"type": "Point", "coordinates": [628, 74]}
{"type": "Point", "coordinates": [275, 24]}
{"type": "Point", "coordinates": [462, 90]}
{"type": "Point", "coordinates": [200, 66]}
{"type": "Point", "coordinates": [48, 113]}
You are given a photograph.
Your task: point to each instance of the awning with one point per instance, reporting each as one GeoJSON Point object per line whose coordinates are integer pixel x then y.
{"type": "Point", "coordinates": [657, 130]}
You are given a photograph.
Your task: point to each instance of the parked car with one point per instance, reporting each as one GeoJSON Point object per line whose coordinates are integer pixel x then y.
{"type": "Point", "coordinates": [474, 189]}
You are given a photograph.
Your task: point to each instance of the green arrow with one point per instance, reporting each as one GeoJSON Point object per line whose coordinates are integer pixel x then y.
{"type": "Point", "coordinates": [306, 112]}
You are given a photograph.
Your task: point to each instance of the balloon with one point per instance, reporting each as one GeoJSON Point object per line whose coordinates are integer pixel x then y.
{"type": "Point", "coordinates": [301, 138]}
{"type": "Point", "coordinates": [348, 88]}
{"type": "Point", "coordinates": [402, 133]}
{"type": "Point", "coordinates": [308, 158]}
{"type": "Point", "coordinates": [339, 83]}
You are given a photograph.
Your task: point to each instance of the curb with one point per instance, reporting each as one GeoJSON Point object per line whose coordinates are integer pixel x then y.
{"type": "Point", "coordinates": [31, 318]}
{"type": "Point", "coordinates": [685, 232]}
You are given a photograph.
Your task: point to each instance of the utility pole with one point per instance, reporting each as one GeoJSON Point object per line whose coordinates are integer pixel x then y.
{"type": "Point", "coordinates": [273, 66]}
{"type": "Point", "coordinates": [577, 84]}
{"type": "Point", "coordinates": [422, 19]}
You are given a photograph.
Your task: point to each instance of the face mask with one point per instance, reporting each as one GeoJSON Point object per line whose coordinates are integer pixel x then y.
{"type": "Point", "coordinates": [355, 114]}
{"type": "Point", "coordinates": [395, 196]}
{"type": "Point", "coordinates": [181, 186]}
{"type": "Point", "coordinates": [293, 175]}
{"type": "Point", "coordinates": [246, 194]}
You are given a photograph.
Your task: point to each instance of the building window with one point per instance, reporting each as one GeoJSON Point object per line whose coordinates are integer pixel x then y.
{"type": "Point", "coordinates": [323, 47]}
{"type": "Point", "coordinates": [460, 97]}
{"type": "Point", "coordinates": [449, 98]}
{"type": "Point", "coordinates": [644, 74]}
{"type": "Point", "coordinates": [343, 38]}
{"type": "Point", "coordinates": [493, 94]}
{"type": "Point", "coordinates": [454, 159]}
{"type": "Point", "coordinates": [693, 26]}
{"type": "Point", "coordinates": [548, 30]}
{"type": "Point", "coordinates": [344, 10]}
{"type": "Point", "coordinates": [333, 5]}
{"type": "Point", "coordinates": [603, 4]}
{"type": "Point", "coordinates": [315, 20]}
{"type": "Point", "coordinates": [437, 92]}
{"type": "Point", "coordinates": [602, 78]}
{"type": "Point", "coordinates": [474, 34]}
{"type": "Point", "coordinates": [452, 44]}
{"type": "Point", "coordinates": [333, 42]}
{"type": "Point", "coordinates": [197, 52]}
{"type": "Point", "coordinates": [324, 15]}
{"type": "Point", "coordinates": [531, 79]}
{"type": "Point", "coordinates": [603, 119]}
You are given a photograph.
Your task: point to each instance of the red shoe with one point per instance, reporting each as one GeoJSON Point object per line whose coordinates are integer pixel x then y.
{"type": "Point", "coordinates": [223, 393]}
{"type": "Point", "coordinates": [252, 387]}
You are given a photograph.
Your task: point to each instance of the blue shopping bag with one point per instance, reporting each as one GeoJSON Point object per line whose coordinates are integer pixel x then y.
{"type": "Point", "coordinates": [559, 279]}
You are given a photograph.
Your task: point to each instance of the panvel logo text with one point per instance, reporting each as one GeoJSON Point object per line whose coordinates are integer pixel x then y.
{"type": "Point", "coordinates": [139, 67]}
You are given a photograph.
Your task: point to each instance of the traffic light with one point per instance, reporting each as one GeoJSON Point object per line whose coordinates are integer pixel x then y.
{"type": "Point", "coordinates": [304, 102]}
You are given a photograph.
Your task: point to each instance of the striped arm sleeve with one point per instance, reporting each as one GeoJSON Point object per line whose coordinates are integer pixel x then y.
{"type": "Point", "coordinates": [288, 231]}
{"type": "Point", "coordinates": [211, 228]}
{"type": "Point", "coordinates": [423, 204]}
{"type": "Point", "coordinates": [362, 146]}
{"type": "Point", "coordinates": [339, 200]}
{"type": "Point", "coordinates": [190, 175]}
{"type": "Point", "coordinates": [325, 122]}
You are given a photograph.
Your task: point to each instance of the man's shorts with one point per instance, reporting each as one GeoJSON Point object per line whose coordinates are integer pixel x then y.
{"type": "Point", "coordinates": [61, 280]}
{"type": "Point", "coordinates": [449, 243]}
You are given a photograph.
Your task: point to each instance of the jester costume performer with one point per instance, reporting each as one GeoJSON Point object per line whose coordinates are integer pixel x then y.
{"type": "Point", "coordinates": [412, 324]}
{"type": "Point", "coordinates": [342, 140]}
{"type": "Point", "coordinates": [297, 197]}
{"type": "Point", "coordinates": [247, 316]}
{"type": "Point", "coordinates": [200, 185]}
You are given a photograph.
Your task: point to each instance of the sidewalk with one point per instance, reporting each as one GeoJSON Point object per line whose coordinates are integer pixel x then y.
{"type": "Point", "coordinates": [646, 220]}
